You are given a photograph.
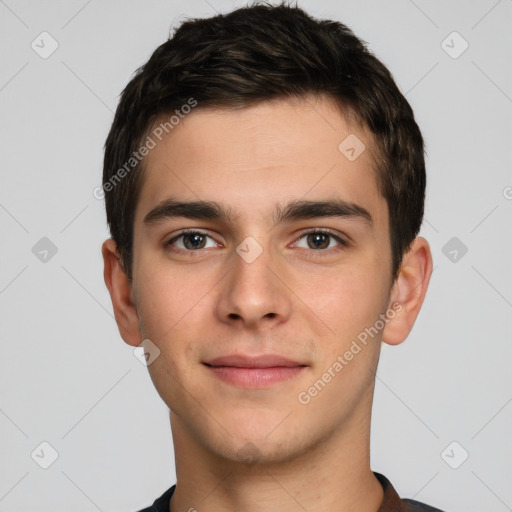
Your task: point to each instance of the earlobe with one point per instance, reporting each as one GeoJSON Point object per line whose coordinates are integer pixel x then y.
{"type": "Point", "coordinates": [118, 285]}
{"type": "Point", "coordinates": [409, 290]}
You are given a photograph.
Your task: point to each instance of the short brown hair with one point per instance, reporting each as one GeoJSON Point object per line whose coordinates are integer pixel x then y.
{"type": "Point", "coordinates": [258, 53]}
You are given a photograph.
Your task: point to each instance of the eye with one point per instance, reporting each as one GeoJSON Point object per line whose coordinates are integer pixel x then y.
{"type": "Point", "coordinates": [190, 240]}
{"type": "Point", "coordinates": [320, 239]}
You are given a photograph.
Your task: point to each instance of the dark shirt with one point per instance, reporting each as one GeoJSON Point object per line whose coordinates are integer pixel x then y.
{"type": "Point", "coordinates": [390, 503]}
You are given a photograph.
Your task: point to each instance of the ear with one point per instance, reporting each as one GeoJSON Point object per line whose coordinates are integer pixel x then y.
{"type": "Point", "coordinates": [408, 291]}
{"type": "Point", "coordinates": [120, 291]}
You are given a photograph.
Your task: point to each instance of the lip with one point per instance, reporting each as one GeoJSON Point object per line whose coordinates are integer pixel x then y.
{"type": "Point", "coordinates": [248, 361]}
{"type": "Point", "coordinates": [254, 372]}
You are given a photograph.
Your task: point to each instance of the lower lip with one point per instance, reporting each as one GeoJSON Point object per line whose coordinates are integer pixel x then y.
{"type": "Point", "coordinates": [255, 378]}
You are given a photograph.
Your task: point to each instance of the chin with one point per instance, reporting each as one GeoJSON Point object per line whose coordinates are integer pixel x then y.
{"type": "Point", "coordinates": [267, 452]}
{"type": "Point", "coordinates": [263, 442]}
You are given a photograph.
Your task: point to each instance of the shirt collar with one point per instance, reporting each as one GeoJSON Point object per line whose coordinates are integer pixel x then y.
{"type": "Point", "coordinates": [391, 501]}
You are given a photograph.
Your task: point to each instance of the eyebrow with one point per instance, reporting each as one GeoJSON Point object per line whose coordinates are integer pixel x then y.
{"type": "Point", "coordinates": [293, 211]}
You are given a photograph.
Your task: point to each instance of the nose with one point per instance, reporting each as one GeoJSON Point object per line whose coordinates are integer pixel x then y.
{"type": "Point", "coordinates": [254, 294]}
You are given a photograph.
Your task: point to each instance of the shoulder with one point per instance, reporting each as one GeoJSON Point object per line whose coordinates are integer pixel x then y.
{"type": "Point", "coordinates": [393, 503]}
{"type": "Point", "coordinates": [416, 506]}
{"type": "Point", "coordinates": [161, 504]}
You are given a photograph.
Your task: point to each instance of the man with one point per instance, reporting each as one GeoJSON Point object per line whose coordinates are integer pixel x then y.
{"type": "Point", "coordinates": [264, 182]}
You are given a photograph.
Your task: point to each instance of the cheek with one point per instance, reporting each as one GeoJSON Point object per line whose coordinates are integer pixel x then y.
{"type": "Point", "coordinates": [348, 301]}
{"type": "Point", "coordinates": [173, 308]}
{"type": "Point", "coordinates": [165, 300]}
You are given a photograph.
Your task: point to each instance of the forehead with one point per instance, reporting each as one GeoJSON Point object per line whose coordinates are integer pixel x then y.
{"type": "Point", "coordinates": [255, 158]}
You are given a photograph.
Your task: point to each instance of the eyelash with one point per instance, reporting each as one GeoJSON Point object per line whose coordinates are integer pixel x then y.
{"type": "Point", "coordinates": [318, 253]}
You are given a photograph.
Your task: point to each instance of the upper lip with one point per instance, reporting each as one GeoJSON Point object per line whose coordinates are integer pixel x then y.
{"type": "Point", "coordinates": [247, 361]}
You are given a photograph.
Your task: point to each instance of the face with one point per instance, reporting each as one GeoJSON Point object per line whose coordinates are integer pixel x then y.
{"type": "Point", "coordinates": [258, 309]}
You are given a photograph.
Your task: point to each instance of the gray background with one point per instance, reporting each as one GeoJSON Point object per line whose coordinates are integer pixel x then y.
{"type": "Point", "coordinates": [66, 376]}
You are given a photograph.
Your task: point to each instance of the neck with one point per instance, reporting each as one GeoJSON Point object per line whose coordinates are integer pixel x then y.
{"type": "Point", "coordinates": [334, 475]}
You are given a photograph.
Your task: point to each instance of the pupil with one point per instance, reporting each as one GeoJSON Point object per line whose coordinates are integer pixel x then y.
{"type": "Point", "coordinates": [195, 237]}
{"type": "Point", "coordinates": [319, 237]}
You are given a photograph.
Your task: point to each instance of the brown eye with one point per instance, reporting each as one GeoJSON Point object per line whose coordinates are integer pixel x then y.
{"type": "Point", "coordinates": [194, 241]}
{"type": "Point", "coordinates": [320, 240]}
{"type": "Point", "coordinates": [189, 241]}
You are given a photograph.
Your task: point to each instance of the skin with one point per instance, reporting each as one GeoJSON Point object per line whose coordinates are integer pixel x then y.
{"type": "Point", "coordinates": [289, 301]}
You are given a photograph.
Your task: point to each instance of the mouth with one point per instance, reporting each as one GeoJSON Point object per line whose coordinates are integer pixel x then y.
{"type": "Point", "coordinates": [252, 372]}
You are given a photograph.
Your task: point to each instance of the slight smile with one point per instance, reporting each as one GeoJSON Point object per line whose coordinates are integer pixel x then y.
{"type": "Point", "coordinates": [254, 372]}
